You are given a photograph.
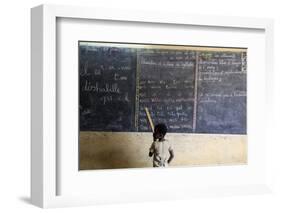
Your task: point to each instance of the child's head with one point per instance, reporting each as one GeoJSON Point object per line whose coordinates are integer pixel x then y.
{"type": "Point", "coordinates": [160, 131]}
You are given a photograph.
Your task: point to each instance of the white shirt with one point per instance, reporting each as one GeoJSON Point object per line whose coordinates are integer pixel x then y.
{"type": "Point", "coordinates": [161, 152]}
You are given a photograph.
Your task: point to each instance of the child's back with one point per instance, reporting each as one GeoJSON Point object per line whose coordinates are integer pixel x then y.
{"type": "Point", "coordinates": [161, 149]}
{"type": "Point", "coordinates": [161, 152]}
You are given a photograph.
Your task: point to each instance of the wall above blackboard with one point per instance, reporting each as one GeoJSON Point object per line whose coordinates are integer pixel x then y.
{"type": "Point", "coordinates": [190, 89]}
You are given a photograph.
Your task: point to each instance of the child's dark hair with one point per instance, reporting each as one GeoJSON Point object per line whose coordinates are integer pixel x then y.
{"type": "Point", "coordinates": [161, 128]}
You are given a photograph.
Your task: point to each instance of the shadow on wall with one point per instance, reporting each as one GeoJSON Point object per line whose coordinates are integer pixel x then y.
{"type": "Point", "coordinates": [113, 150]}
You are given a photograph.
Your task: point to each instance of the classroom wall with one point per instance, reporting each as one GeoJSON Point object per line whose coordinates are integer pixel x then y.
{"type": "Point", "coordinates": [104, 150]}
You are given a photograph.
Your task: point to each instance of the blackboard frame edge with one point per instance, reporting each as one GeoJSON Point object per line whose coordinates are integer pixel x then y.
{"type": "Point", "coordinates": [170, 46]}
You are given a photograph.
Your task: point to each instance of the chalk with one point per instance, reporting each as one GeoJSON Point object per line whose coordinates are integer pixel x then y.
{"type": "Point", "coordinates": [149, 119]}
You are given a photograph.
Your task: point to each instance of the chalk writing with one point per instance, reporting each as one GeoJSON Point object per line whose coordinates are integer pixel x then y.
{"type": "Point", "coordinates": [167, 87]}
{"type": "Point", "coordinates": [188, 90]}
{"type": "Point", "coordinates": [221, 93]}
{"type": "Point", "coordinates": [107, 88]}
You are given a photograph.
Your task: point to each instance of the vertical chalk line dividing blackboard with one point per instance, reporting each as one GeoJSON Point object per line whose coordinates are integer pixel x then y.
{"type": "Point", "coordinates": [243, 60]}
{"type": "Point", "coordinates": [195, 93]}
{"type": "Point", "coordinates": [137, 91]}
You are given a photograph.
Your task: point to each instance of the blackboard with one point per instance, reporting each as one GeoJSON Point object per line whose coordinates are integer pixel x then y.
{"type": "Point", "coordinates": [189, 89]}
{"type": "Point", "coordinates": [166, 88]}
{"type": "Point", "coordinates": [107, 88]}
{"type": "Point", "coordinates": [222, 98]}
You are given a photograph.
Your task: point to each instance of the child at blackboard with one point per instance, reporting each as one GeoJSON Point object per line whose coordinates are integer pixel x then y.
{"type": "Point", "coordinates": [161, 149]}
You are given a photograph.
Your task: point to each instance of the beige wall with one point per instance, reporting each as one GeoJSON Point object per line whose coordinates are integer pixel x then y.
{"type": "Point", "coordinates": [103, 150]}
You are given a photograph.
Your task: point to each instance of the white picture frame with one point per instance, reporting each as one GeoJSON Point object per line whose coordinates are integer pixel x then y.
{"type": "Point", "coordinates": [44, 149]}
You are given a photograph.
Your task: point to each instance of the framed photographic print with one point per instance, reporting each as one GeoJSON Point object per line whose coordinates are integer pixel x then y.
{"type": "Point", "coordinates": [125, 102]}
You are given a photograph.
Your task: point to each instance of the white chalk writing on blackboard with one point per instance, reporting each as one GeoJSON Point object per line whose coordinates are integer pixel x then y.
{"type": "Point", "coordinates": [107, 88]}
